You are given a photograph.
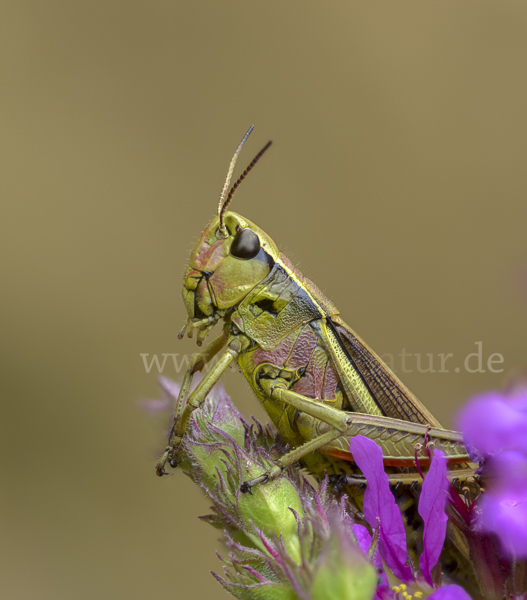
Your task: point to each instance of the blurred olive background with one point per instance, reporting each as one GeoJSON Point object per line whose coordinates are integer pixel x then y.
{"type": "Point", "coordinates": [396, 183]}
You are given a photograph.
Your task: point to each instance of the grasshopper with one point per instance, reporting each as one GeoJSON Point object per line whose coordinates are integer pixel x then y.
{"type": "Point", "coordinates": [319, 382]}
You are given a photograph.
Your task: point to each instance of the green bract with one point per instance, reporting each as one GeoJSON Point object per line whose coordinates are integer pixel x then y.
{"type": "Point", "coordinates": [223, 451]}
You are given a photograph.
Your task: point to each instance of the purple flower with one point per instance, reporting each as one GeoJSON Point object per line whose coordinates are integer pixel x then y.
{"type": "Point", "coordinates": [379, 506]}
{"type": "Point", "coordinates": [494, 426]}
{"type": "Point", "coordinates": [507, 472]}
{"type": "Point", "coordinates": [381, 510]}
{"type": "Point", "coordinates": [432, 509]}
{"type": "Point", "coordinates": [503, 508]}
{"type": "Point", "coordinates": [492, 423]}
{"type": "Point", "coordinates": [450, 592]}
{"type": "Point", "coordinates": [506, 516]}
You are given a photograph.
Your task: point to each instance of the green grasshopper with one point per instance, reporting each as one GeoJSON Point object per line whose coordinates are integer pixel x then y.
{"type": "Point", "coordinates": [318, 381]}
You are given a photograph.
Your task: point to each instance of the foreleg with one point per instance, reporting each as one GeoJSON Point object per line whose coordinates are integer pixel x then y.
{"type": "Point", "coordinates": [197, 363]}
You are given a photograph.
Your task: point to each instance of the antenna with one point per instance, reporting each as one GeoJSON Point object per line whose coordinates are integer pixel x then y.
{"type": "Point", "coordinates": [241, 178]}
{"type": "Point", "coordinates": [223, 230]}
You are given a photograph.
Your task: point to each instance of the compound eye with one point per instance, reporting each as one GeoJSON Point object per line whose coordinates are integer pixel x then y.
{"type": "Point", "coordinates": [246, 244]}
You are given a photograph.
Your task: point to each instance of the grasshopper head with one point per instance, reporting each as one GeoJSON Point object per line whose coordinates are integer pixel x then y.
{"type": "Point", "coordinates": [222, 271]}
{"type": "Point", "coordinates": [230, 258]}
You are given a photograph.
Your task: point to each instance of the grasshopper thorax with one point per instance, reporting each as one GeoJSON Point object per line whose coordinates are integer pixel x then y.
{"type": "Point", "coordinates": [223, 270]}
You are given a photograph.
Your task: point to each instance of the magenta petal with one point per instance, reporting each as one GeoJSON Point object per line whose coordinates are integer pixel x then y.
{"type": "Point", "coordinates": [363, 537]}
{"type": "Point", "coordinates": [379, 503]}
{"type": "Point", "coordinates": [450, 592]}
{"type": "Point", "coordinates": [505, 515]}
{"type": "Point", "coordinates": [364, 540]}
{"type": "Point", "coordinates": [432, 510]}
{"type": "Point", "coordinates": [508, 473]}
{"type": "Point", "coordinates": [517, 394]}
{"type": "Point", "coordinates": [491, 423]}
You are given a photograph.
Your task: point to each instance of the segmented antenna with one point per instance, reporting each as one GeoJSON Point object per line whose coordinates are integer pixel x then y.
{"type": "Point", "coordinates": [240, 179]}
{"type": "Point", "coordinates": [223, 229]}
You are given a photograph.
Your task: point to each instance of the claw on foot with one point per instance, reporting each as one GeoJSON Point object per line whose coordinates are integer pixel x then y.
{"type": "Point", "coordinates": [246, 487]}
{"type": "Point", "coordinates": [160, 465]}
{"type": "Point", "coordinates": [338, 482]}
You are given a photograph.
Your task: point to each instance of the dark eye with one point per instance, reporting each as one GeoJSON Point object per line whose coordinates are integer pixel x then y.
{"type": "Point", "coordinates": [246, 244]}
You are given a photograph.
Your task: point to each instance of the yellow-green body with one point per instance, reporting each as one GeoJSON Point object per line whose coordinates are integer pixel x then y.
{"type": "Point", "coordinates": [289, 332]}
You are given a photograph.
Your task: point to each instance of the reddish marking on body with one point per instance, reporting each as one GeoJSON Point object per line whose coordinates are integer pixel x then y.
{"type": "Point", "coordinates": [219, 285]}
{"type": "Point", "coordinates": [278, 356]}
{"type": "Point", "coordinates": [348, 457]}
{"type": "Point", "coordinates": [393, 462]}
{"type": "Point", "coordinates": [194, 273]}
{"type": "Point", "coordinates": [317, 367]}
{"type": "Point", "coordinates": [306, 386]}
{"type": "Point", "coordinates": [302, 355]}
{"type": "Point", "coordinates": [302, 351]}
{"type": "Point", "coordinates": [204, 298]}
{"type": "Point", "coordinates": [208, 257]}
{"type": "Point", "coordinates": [329, 388]}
